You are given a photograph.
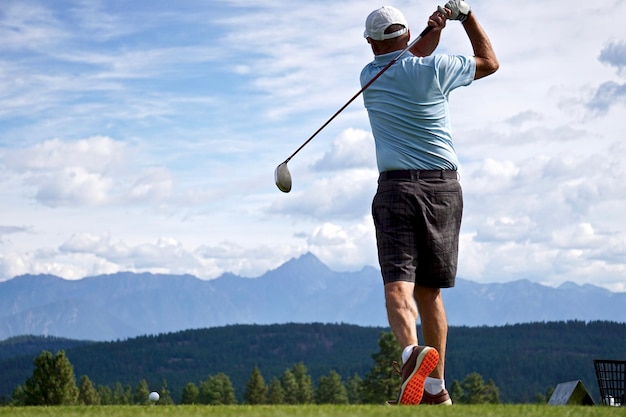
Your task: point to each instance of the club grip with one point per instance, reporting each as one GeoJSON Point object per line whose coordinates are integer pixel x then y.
{"type": "Point", "coordinates": [425, 31]}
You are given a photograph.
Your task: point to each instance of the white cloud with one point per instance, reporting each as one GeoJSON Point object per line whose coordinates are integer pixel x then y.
{"type": "Point", "coordinates": [163, 255]}
{"type": "Point", "coordinates": [46, 261]}
{"type": "Point", "coordinates": [614, 54]}
{"type": "Point", "coordinates": [342, 247]}
{"type": "Point", "coordinates": [92, 172]}
{"type": "Point", "coordinates": [71, 185]}
{"type": "Point", "coordinates": [97, 152]}
{"type": "Point", "coordinates": [353, 148]}
{"type": "Point", "coordinates": [7, 230]}
{"type": "Point", "coordinates": [339, 195]}
{"type": "Point", "coordinates": [154, 185]}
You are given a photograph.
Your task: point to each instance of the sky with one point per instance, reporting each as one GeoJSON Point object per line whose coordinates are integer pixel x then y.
{"type": "Point", "coordinates": [143, 136]}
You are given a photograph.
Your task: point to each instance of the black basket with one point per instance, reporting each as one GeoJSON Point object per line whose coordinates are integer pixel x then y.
{"type": "Point", "coordinates": [611, 380]}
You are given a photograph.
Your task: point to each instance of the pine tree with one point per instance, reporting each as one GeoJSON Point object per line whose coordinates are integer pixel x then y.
{"type": "Point", "coordinates": [53, 381]}
{"type": "Point", "coordinates": [105, 394]}
{"type": "Point", "coordinates": [305, 384]}
{"type": "Point", "coordinates": [17, 398]}
{"type": "Point", "coordinates": [227, 390]}
{"type": "Point", "coordinates": [217, 390]}
{"type": "Point", "coordinates": [331, 390]}
{"type": "Point", "coordinates": [290, 387]}
{"type": "Point", "coordinates": [382, 383]}
{"type": "Point", "coordinates": [190, 394]}
{"type": "Point", "coordinates": [87, 394]}
{"type": "Point", "coordinates": [128, 393]}
{"type": "Point", "coordinates": [165, 395]}
{"type": "Point", "coordinates": [256, 390]}
{"type": "Point", "coordinates": [275, 394]}
{"type": "Point", "coordinates": [473, 390]}
{"type": "Point", "coordinates": [354, 387]}
{"type": "Point", "coordinates": [142, 392]}
{"type": "Point", "coordinates": [121, 395]}
{"type": "Point", "coordinates": [456, 392]}
{"type": "Point", "coordinates": [491, 393]}
{"type": "Point", "coordinates": [542, 398]}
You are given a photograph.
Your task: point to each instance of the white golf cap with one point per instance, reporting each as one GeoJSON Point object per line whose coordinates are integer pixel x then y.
{"type": "Point", "coordinates": [379, 20]}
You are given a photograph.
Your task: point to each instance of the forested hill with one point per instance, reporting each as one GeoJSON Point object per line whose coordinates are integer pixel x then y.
{"type": "Point", "coordinates": [523, 360]}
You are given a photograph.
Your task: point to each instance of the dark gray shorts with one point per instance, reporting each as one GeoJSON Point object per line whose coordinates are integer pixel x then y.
{"type": "Point", "coordinates": [417, 228]}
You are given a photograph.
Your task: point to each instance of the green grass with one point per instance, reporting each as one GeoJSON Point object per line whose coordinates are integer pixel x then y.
{"type": "Point", "coordinates": [314, 411]}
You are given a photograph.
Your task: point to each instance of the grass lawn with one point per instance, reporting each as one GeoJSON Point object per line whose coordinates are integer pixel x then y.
{"type": "Point", "coordinates": [314, 411]}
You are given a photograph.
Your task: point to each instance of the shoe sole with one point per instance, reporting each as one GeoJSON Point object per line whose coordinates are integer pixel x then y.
{"type": "Point", "coordinates": [446, 402]}
{"type": "Point", "coordinates": [413, 387]}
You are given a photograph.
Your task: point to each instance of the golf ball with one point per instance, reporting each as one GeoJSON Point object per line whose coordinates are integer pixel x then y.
{"type": "Point", "coordinates": [154, 396]}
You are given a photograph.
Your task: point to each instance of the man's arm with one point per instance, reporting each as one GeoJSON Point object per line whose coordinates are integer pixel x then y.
{"type": "Point", "coordinates": [428, 44]}
{"type": "Point", "coordinates": [486, 60]}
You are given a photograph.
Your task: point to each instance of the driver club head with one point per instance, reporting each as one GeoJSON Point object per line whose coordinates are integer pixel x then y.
{"type": "Point", "coordinates": [282, 177]}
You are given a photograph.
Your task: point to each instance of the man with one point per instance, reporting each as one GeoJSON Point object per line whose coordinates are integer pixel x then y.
{"type": "Point", "coordinates": [418, 205]}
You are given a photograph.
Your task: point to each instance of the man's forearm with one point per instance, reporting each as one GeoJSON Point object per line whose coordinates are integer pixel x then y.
{"type": "Point", "coordinates": [486, 60]}
{"type": "Point", "coordinates": [427, 45]}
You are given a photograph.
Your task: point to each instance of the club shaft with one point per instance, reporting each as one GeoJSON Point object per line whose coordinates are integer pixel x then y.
{"type": "Point", "coordinates": [370, 82]}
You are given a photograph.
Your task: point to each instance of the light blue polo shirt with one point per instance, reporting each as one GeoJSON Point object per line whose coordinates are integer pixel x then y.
{"type": "Point", "coordinates": [408, 109]}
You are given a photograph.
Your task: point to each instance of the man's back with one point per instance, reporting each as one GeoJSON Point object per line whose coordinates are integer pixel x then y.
{"type": "Point", "coordinates": [408, 109]}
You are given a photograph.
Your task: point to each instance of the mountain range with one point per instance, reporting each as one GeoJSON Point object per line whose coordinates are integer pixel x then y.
{"type": "Point", "coordinates": [303, 290]}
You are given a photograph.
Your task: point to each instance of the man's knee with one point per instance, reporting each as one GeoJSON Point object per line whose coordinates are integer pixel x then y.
{"type": "Point", "coordinates": [428, 298]}
{"type": "Point", "coordinates": [399, 294]}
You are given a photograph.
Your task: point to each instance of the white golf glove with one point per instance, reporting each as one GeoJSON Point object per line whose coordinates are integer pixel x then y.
{"type": "Point", "coordinates": [458, 8]}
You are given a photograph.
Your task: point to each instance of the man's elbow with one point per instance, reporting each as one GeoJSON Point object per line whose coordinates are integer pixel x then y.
{"type": "Point", "coordinates": [486, 67]}
{"type": "Point", "coordinates": [494, 65]}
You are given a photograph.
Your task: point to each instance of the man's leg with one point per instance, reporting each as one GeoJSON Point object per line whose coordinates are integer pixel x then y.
{"type": "Point", "coordinates": [434, 323]}
{"type": "Point", "coordinates": [418, 362]}
{"type": "Point", "coordinates": [401, 312]}
{"type": "Point", "coordinates": [392, 211]}
{"type": "Point", "coordinates": [435, 330]}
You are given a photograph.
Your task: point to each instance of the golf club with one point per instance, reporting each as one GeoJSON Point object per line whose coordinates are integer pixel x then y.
{"type": "Point", "coordinates": [282, 176]}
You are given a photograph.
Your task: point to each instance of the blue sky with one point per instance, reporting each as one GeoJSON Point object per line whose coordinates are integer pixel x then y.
{"type": "Point", "coordinates": [143, 136]}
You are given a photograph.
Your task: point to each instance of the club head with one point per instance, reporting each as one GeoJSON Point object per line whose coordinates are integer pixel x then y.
{"type": "Point", "coordinates": [282, 177]}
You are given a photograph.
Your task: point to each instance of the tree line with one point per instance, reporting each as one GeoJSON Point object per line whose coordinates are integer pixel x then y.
{"type": "Point", "coordinates": [53, 383]}
{"type": "Point", "coordinates": [500, 354]}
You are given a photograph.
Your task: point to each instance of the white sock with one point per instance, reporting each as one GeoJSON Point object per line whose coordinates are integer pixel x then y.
{"type": "Point", "coordinates": [406, 353]}
{"type": "Point", "coordinates": [434, 385]}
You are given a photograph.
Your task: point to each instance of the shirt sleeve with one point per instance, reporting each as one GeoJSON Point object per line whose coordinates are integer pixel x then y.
{"type": "Point", "coordinates": [454, 71]}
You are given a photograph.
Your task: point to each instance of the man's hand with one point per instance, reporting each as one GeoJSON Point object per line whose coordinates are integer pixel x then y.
{"type": "Point", "coordinates": [455, 10]}
{"type": "Point", "coordinates": [437, 20]}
